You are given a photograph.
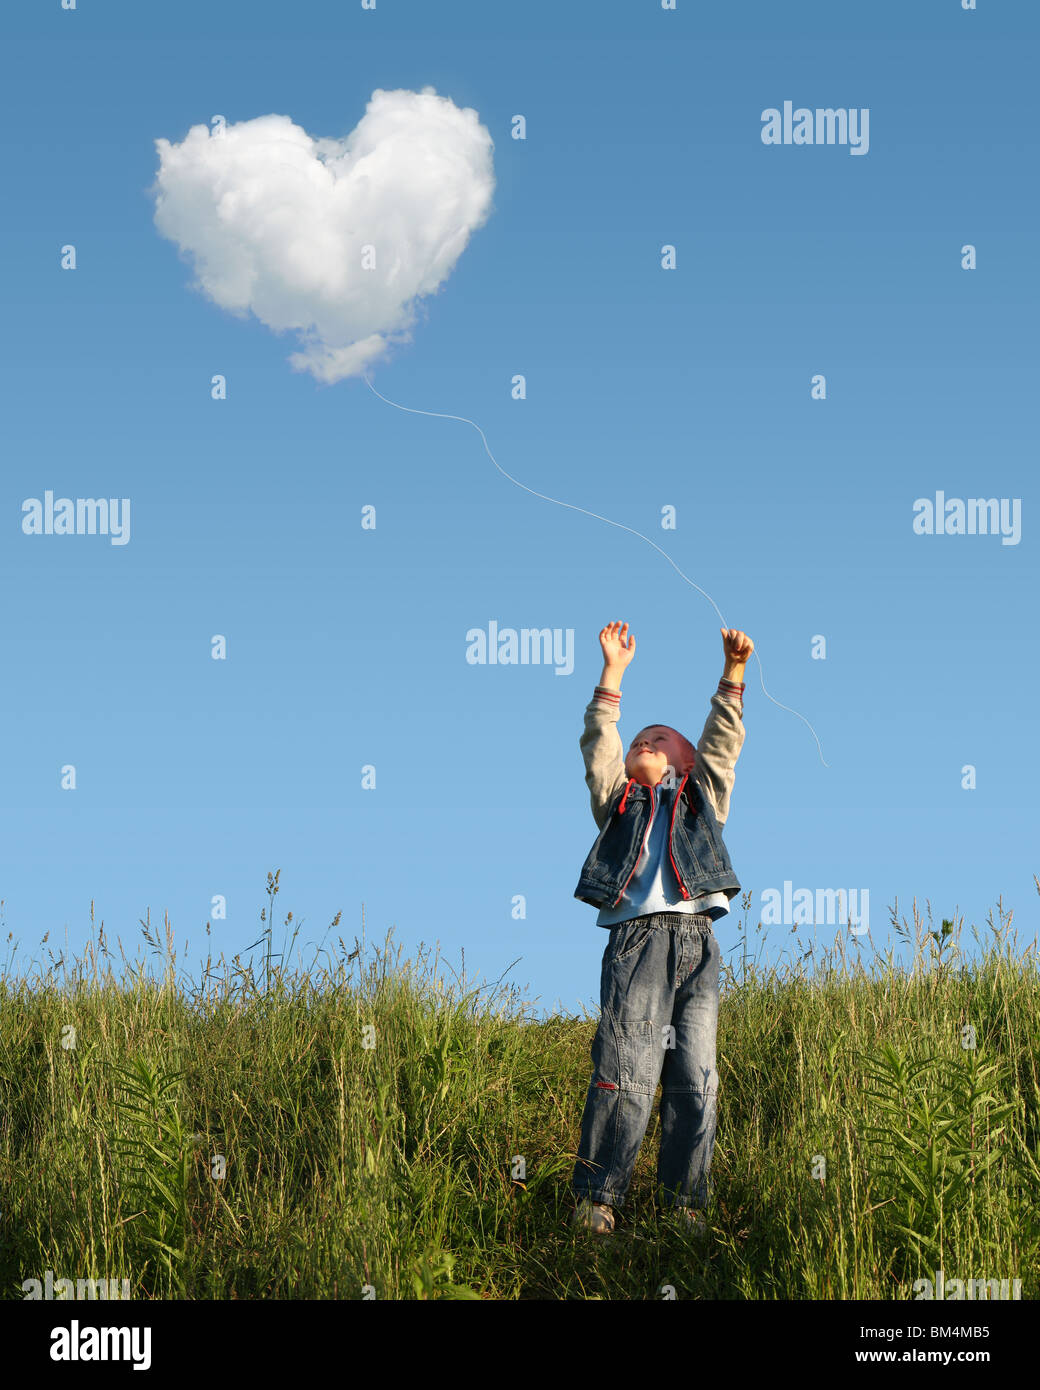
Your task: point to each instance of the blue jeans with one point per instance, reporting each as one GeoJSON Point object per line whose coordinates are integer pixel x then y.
{"type": "Point", "coordinates": [658, 970]}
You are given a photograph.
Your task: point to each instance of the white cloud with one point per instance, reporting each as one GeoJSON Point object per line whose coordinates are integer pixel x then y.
{"type": "Point", "coordinates": [276, 220]}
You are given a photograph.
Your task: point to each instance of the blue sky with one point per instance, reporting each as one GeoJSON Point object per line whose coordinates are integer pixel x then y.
{"type": "Point", "coordinates": [646, 388]}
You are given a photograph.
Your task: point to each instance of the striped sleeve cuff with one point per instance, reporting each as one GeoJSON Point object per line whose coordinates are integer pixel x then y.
{"type": "Point", "coordinates": [607, 697]}
{"type": "Point", "coordinates": [730, 690]}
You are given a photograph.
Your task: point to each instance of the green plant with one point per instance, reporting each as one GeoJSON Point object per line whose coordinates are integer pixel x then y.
{"type": "Point", "coordinates": [155, 1152]}
{"type": "Point", "coordinates": [432, 1277]}
{"type": "Point", "coordinates": [943, 941]}
{"type": "Point", "coordinates": [942, 1121]}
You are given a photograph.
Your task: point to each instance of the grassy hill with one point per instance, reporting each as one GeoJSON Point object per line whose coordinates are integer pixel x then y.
{"type": "Point", "coordinates": [364, 1128]}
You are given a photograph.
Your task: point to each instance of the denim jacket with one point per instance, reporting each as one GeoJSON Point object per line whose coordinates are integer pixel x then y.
{"type": "Point", "coordinates": [622, 807]}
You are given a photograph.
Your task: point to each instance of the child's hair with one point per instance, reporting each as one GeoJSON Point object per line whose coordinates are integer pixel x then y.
{"type": "Point", "coordinates": [689, 752]}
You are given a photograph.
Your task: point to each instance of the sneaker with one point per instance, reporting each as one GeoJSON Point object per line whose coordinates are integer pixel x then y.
{"type": "Point", "coordinates": [594, 1216]}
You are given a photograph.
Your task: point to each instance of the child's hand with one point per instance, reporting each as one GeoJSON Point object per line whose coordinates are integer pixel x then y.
{"type": "Point", "coordinates": [618, 647]}
{"type": "Point", "coordinates": [738, 645]}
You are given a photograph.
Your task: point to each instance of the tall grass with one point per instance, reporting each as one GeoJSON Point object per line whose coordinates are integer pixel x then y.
{"type": "Point", "coordinates": [362, 1127]}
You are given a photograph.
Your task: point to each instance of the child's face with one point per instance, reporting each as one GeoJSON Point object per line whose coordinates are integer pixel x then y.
{"type": "Point", "coordinates": [651, 753]}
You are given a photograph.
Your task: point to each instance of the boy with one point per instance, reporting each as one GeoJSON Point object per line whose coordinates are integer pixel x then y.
{"type": "Point", "coordinates": [659, 873]}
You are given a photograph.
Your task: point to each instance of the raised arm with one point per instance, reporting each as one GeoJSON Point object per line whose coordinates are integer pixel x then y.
{"type": "Point", "coordinates": [601, 746]}
{"type": "Point", "coordinates": [723, 735]}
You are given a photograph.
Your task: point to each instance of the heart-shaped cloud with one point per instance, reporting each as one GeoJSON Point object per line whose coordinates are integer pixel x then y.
{"type": "Point", "coordinates": [334, 239]}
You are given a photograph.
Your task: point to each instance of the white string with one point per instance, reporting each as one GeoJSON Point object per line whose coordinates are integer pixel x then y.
{"type": "Point", "coordinates": [439, 416]}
